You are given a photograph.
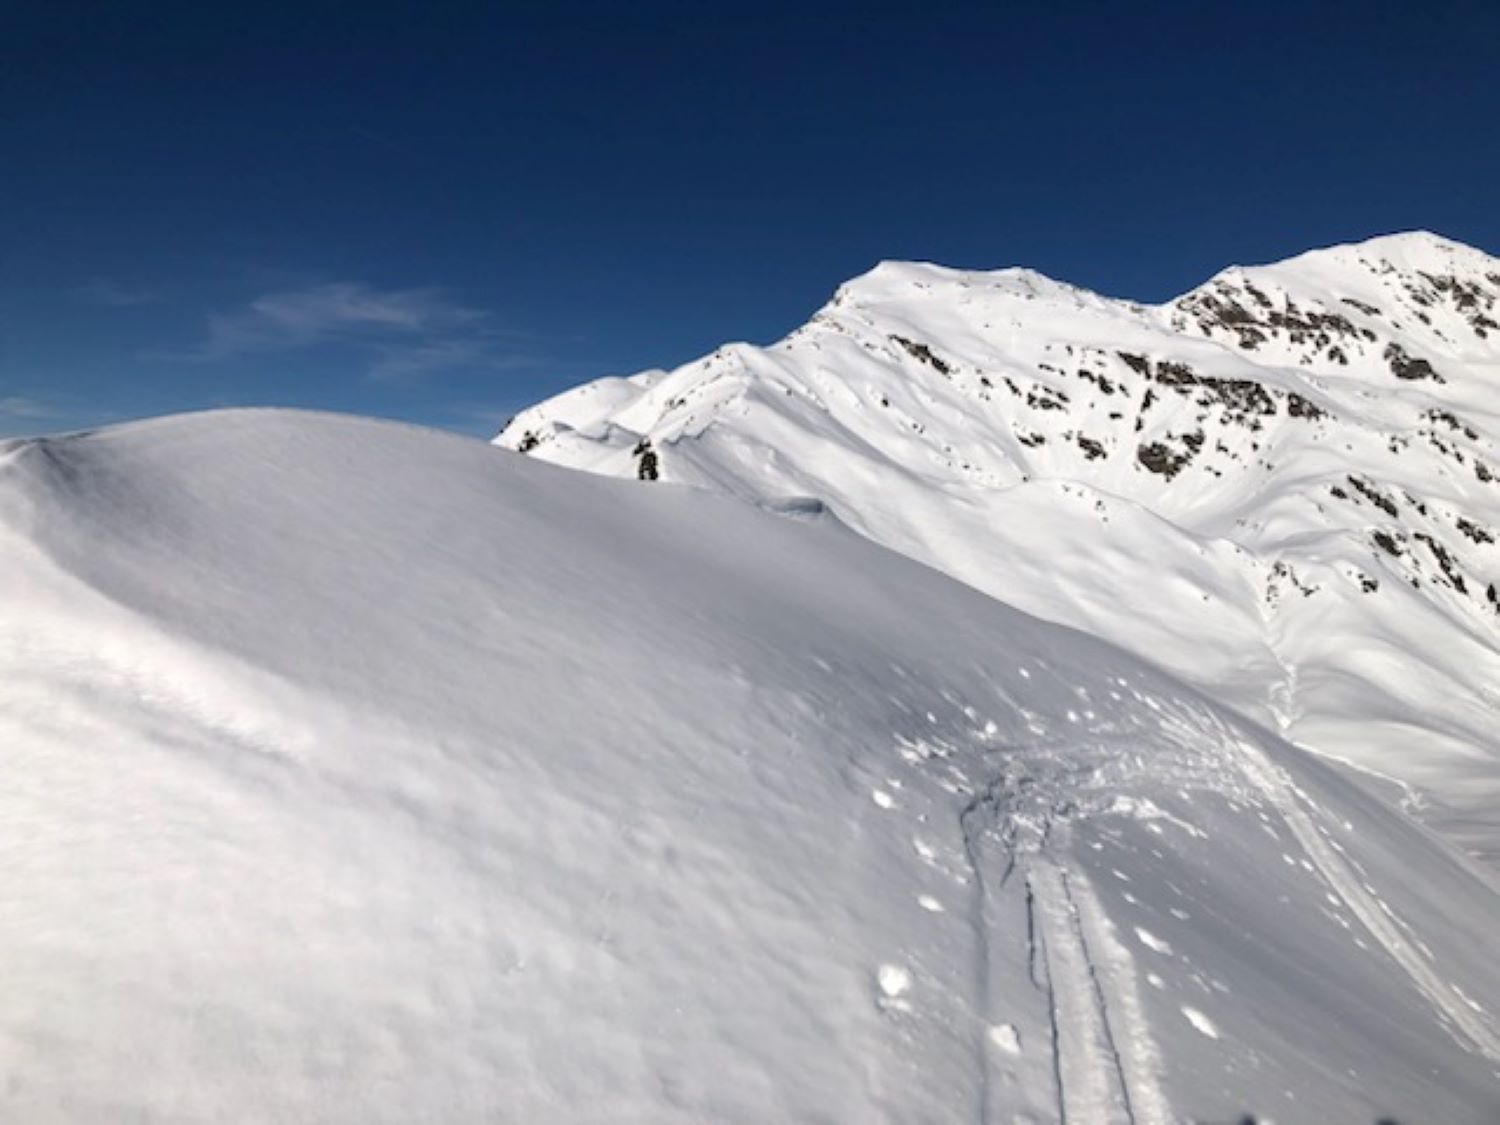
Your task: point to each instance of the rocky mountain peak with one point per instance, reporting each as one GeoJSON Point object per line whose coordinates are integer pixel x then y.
{"type": "Point", "coordinates": [1213, 482]}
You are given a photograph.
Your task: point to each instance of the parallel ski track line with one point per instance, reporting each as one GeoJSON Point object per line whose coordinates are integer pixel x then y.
{"type": "Point", "coordinates": [1465, 1024]}
{"type": "Point", "coordinates": [1105, 1058]}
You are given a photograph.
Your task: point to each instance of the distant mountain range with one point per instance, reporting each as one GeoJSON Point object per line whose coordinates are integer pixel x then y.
{"type": "Point", "coordinates": [1283, 486]}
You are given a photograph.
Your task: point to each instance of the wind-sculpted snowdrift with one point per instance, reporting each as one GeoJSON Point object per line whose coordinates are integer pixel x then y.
{"type": "Point", "coordinates": [360, 773]}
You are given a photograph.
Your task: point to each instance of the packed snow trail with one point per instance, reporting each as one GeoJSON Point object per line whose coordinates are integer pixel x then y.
{"type": "Point", "coordinates": [387, 776]}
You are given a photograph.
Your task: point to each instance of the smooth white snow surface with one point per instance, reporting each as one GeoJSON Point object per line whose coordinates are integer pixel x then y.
{"type": "Point", "coordinates": [1284, 486]}
{"type": "Point", "coordinates": [361, 773]}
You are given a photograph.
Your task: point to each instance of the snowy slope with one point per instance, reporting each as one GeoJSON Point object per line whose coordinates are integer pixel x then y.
{"type": "Point", "coordinates": [1283, 486]}
{"type": "Point", "coordinates": [361, 773]}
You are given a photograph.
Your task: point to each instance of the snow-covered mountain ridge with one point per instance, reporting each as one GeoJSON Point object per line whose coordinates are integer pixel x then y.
{"type": "Point", "coordinates": [1283, 486]}
{"type": "Point", "coordinates": [357, 772]}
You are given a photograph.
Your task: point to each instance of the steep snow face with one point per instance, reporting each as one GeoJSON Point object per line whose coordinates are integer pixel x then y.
{"type": "Point", "coordinates": [1283, 486]}
{"type": "Point", "coordinates": [361, 773]}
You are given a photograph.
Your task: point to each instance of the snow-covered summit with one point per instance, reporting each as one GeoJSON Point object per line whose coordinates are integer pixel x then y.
{"type": "Point", "coordinates": [890, 279]}
{"type": "Point", "coordinates": [1358, 309]}
{"type": "Point", "coordinates": [356, 772]}
{"type": "Point", "coordinates": [1411, 252]}
{"type": "Point", "coordinates": [1283, 485]}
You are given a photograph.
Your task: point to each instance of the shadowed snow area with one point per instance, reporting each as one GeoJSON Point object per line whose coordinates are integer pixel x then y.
{"type": "Point", "coordinates": [361, 773]}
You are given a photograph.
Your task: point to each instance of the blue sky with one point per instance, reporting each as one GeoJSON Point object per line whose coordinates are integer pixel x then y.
{"type": "Point", "coordinates": [443, 212]}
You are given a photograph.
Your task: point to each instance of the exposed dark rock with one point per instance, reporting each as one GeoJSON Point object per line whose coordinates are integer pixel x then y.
{"type": "Point", "coordinates": [1299, 407]}
{"type": "Point", "coordinates": [1161, 458]}
{"type": "Point", "coordinates": [1405, 366]}
{"type": "Point", "coordinates": [1474, 531]}
{"type": "Point", "coordinates": [1374, 496]}
{"type": "Point", "coordinates": [1446, 562]}
{"type": "Point", "coordinates": [1043, 397]}
{"type": "Point", "coordinates": [1452, 421]}
{"type": "Point", "coordinates": [1101, 381]}
{"type": "Point", "coordinates": [1092, 449]}
{"type": "Point", "coordinates": [924, 353]}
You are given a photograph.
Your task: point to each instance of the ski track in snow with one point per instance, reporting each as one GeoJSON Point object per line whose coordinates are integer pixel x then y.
{"type": "Point", "coordinates": [1107, 1068]}
{"type": "Point", "coordinates": [1105, 1062]}
{"type": "Point", "coordinates": [1454, 1012]}
{"type": "Point", "coordinates": [1105, 1058]}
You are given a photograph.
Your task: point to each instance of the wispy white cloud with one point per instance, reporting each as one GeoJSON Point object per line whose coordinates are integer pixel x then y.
{"type": "Point", "coordinates": [297, 318]}
{"type": "Point", "coordinates": [17, 406]}
{"type": "Point", "coordinates": [483, 352]}
{"type": "Point", "coordinates": [21, 416]}
{"type": "Point", "coordinates": [116, 294]}
{"type": "Point", "coordinates": [405, 333]}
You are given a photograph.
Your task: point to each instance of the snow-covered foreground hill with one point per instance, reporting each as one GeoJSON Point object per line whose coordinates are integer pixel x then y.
{"type": "Point", "coordinates": [1283, 486]}
{"type": "Point", "coordinates": [360, 773]}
